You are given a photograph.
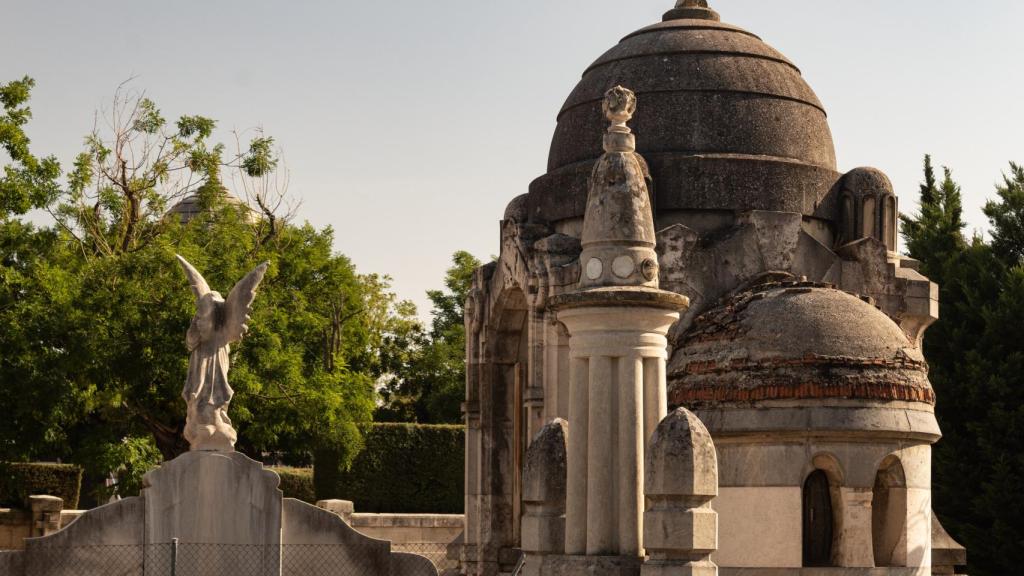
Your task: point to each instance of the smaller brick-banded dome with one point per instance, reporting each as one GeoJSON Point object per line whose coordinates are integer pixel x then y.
{"type": "Point", "coordinates": [796, 341]}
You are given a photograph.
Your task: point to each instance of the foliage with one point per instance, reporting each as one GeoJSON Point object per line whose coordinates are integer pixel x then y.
{"type": "Point", "coordinates": [977, 370]}
{"type": "Point", "coordinates": [126, 462]}
{"type": "Point", "coordinates": [1007, 217]}
{"type": "Point", "coordinates": [29, 181]}
{"type": "Point", "coordinates": [936, 233]}
{"type": "Point", "coordinates": [426, 370]}
{"type": "Point", "coordinates": [19, 480]}
{"type": "Point", "coordinates": [405, 468]}
{"type": "Point", "coordinates": [93, 309]}
{"type": "Point", "coordinates": [296, 483]}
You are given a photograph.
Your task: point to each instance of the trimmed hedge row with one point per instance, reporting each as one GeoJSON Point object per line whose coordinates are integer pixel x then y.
{"type": "Point", "coordinates": [403, 468]}
{"type": "Point", "coordinates": [296, 483]}
{"type": "Point", "coordinates": [19, 480]}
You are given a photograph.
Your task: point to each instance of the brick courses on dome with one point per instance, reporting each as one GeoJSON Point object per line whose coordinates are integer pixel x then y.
{"type": "Point", "coordinates": [796, 341]}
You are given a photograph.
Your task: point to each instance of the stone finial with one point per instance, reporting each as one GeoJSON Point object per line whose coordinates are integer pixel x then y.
{"type": "Point", "coordinates": [544, 492]}
{"type": "Point", "coordinates": [681, 479]}
{"type": "Point", "coordinates": [619, 106]}
{"type": "Point", "coordinates": [618, 227]}
{"type": "Point", "coordinates": [692, 10]}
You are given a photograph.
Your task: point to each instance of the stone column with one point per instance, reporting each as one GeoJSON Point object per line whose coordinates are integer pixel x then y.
{"type": "Point", "coordinates": [655, 394]}
{"type": "Point", "coordinates": [576, 481]}
{"type": "Point", "coordinates": [556, 370]}
{"type": "Point", "coordinates": [471, 410]}
{"type": "Point", "coordinates": [680, 528]}
{"type": "Point", "coordinates": [631, 442]}
{"type": "Point", "coordinates": [854, 549]}
{"type": "Point", "coordinates": [611, 347]}
{"type": "Point", "coordinates": [601, 462]}
{"type": "Point", "coordinates": [617, 320]}
{"type": "Point", "coordinates": [534, 394]}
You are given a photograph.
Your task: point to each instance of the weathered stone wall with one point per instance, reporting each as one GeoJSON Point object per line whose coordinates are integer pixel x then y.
{"type": "Point", "coordinates": [434, 529]}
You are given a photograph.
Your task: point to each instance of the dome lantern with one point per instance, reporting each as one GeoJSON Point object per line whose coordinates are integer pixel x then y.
{"type": "Point", "coordinates": [692, 10]}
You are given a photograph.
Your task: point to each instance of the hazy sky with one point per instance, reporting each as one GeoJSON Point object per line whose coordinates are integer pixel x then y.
{"type": "Point", "coordinates": [408, 125]}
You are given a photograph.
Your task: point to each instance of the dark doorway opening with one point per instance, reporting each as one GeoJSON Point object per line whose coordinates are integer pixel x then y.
{"type": "Point", "coordinates": [818, 520]}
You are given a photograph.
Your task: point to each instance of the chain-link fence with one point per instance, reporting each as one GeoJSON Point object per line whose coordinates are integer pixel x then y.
{"type": "Point", "coordinates": [359, 558]}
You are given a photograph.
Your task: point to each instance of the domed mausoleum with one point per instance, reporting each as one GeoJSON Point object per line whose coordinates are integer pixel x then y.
{"type": "Point", "coordinates": [694, 245]}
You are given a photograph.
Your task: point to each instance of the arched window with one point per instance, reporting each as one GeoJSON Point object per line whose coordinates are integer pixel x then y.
{"type": "Point", "coordinates": [818, 520]}
{"type": "Point", "coordinates": [889, 514]}
{"type": "Point", "coordinates": [889, 217]}
{"type": "Point", "coordinates": [869, 217]}
{"type": "Point", "coordinates": [848, 221]}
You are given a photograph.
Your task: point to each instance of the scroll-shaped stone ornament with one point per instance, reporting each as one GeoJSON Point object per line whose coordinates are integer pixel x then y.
{"type": "Point", "coordinates": [217, 324]}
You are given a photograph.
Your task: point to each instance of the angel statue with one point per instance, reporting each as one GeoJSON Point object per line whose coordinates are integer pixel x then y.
{"type": "Point", "coordinates": [218, 323]}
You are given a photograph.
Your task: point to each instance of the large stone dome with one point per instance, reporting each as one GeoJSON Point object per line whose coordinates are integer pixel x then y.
{"type": "Point", "coordinates": [725, 122]}
{"type": "Point", "coordinates": [796, 341]}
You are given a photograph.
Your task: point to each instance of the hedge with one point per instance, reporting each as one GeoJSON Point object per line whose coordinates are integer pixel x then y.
{"type": "Point", "coordinates": [19, 480]}
{"type": "Point", "coordinates": [296, 483]}
{"type": "Point", "coordinates": [403, 468]}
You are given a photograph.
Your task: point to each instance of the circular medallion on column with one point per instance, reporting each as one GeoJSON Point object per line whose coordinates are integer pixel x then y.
{"type": "Point", "coordinates": [623, 266]}
{"type": "Point", "coordinates": [594, 268]}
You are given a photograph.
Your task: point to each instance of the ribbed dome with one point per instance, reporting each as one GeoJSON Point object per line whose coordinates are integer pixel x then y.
{"type": "Point", "coordinates": [192, 205]}
{"type": "Point", "coordinates": [724, 120]}
{"type": "Point", "coordinates": [796, 341]}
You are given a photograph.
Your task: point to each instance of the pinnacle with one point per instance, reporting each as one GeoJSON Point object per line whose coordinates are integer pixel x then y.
{"type": "Point", "coordinates": [691, 10]}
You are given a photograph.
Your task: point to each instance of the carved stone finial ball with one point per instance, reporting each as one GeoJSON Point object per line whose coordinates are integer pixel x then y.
{"type": "Point", "coordinates": [692, 4]}
{"type": "Point", "coordinates": [619, 105]}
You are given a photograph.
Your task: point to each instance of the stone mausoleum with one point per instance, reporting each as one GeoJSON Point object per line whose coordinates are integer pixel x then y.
{"type": "Point", "coordinates": [699, 351]}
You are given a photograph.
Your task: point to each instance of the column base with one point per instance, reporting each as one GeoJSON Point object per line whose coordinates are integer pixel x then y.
{"type": "Point", "coordinates": [561, 565]}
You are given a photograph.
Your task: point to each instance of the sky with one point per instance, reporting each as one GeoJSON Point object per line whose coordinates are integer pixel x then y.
{"type": "Point", "coordinates": [408, 125]}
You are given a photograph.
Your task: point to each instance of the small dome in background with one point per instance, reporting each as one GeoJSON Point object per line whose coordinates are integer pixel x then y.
{"type": "Point", "coordinates": [190, 206]}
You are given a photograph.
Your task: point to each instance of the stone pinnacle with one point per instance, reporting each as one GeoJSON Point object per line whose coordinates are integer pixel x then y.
{"type": "Point", "coordinates": [691, 10]}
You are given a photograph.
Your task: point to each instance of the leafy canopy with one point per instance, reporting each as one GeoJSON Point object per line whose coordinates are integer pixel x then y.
{"type": "Point", "coordinates": [94, 308]}
{"type": "Point", "coordinates": [426, 371]}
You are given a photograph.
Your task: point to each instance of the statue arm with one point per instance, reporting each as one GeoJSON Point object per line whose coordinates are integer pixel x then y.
{"type": "Point", "coordinates": [239, 302]}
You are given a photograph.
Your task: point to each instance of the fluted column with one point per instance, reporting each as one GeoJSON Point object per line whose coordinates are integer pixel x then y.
{"type": "Point", "coordinates": [576, 474]}
{"type": "Point", "coordinates": [655, 393]}
{"type": "Point", "coordinates": [617, 386]}
{"type": "Point", "coordinates": [630, 468]}
{"type": "Point", "coordinates": [601, 461]}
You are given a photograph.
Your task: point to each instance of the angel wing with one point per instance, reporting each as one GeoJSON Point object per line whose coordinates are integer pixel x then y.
{"type": "Point", "coordinates": [236, 307]}
{"type": "Point", "coordinates": [195, 280]}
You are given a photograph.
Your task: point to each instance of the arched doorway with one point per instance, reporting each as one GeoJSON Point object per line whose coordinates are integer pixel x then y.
{"type": "Point", "coordinates": [503, 426]}
{"type": "Point", "coordinates": [889, 514]}
{"type": "Point", "coordinates": [818, 520]}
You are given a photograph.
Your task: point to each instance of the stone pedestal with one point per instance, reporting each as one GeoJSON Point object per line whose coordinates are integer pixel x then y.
{"type": "Point", "coordinates": [45, 514]}
{"type": "Point", "coordinates": [213, 498]}
{"type": "Point", "coordinates": [222, 507]}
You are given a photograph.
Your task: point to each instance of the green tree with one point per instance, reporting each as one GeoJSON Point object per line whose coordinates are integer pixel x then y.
{"type": "Point", "coordinates": [935, 234]}
{"type": "Point", "coordinates": [976, 369]}
{"type": "Point", "coordinates": [93, 309]}
{"type": "Point", "coordinates": [1006, 216]}
{"type": "Point", "coordinates": [426, 370]}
